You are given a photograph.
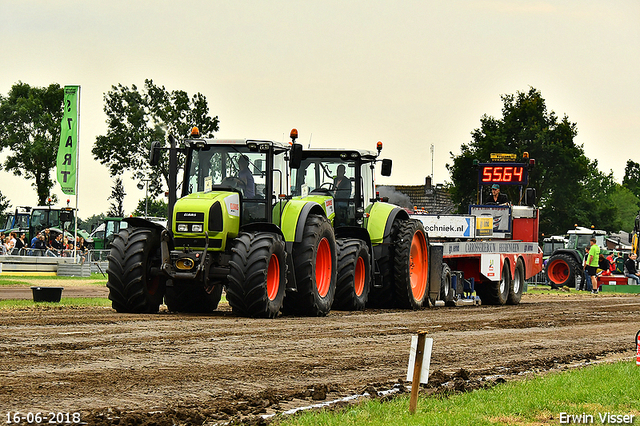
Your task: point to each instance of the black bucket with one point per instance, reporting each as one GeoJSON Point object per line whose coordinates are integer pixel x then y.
{"type": "Point", "coordinates": [47, 294]}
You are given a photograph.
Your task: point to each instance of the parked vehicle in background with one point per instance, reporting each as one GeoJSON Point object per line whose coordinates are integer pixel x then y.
{"type": "Point", "coordinates": [565, 266]}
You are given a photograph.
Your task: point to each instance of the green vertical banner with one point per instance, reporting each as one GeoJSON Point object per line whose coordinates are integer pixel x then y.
{"type": "Point", "coordinates": [67, 151]}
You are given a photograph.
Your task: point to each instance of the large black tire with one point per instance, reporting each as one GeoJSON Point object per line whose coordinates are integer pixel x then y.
{"type": "Point", "coordinates": [411, 265]}
{"type": "Point", "coordinates": [189, 296]}
{"type": "Point", "coordinates": [496, 292]}
{"type": "Point", "coordinates": [132, 286]}
{"type": "Point", "coordinates": [258, 274]}
{"type": "Point", "coordinates": [517, 284]}
{"type": "Point", "coordinates": [383, 297]}
{"type": "Point", "coordinates": [315, 263]}
{"type": "Point", "coordinates": [354, 275]}
{"type": "Point", "coordinates": [446, 290]}
{"type": "Point", "coordinates": [561, 270]}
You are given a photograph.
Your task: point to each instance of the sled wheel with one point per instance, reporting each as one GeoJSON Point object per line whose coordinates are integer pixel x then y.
{"type": "Point", "coordinates": [354, 275]}
{"type": "Point", "coordinates": [496, 292]}
{"type": "Point", "coordinates": [257, 276]}
{"type": "Point", "coordinates": [133, 288]}
{"type": "Point", "coordinates": [446, 291]}
{"type": "Point", "coordinates": [517, 284]}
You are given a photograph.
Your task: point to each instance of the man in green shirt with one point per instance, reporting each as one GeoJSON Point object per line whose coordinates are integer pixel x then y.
{"type": "Point", "coordinates": [591, 264]}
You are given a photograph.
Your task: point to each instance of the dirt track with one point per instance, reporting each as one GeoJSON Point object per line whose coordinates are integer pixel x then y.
{"type": "Point", "coordinates": [207, 369]}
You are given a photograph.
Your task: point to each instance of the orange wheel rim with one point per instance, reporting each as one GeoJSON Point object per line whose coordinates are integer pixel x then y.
{"type": "Point", "coordinates": [273, 277]}
{"type": "Point", "coordinates": [418, 265]}
{"type": "Point", "coordinates": [360, 272]}
{"type": "Point", "coordinates": [323, 267]}
{"type": "Point", "coordinates": [558, 271]}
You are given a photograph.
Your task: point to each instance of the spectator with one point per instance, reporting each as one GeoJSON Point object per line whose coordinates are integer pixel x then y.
{"type": "Point", "coordinates": [4, 246]}
{"type": "Point", "coordinates": [630, 268]}
{"type": "Point", "coordinates": [604, 266]}
{"type": "Point", "coordinates": [591, 265]}
{"type": "Point", "coordinates": [34, 240]}
{"type": "Point", "coordinates": [20, 242]}
{"type": "Point", "coordinates": [57, 246]}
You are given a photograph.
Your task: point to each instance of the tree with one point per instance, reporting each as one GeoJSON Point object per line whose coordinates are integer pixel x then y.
{"type": "Point", "coordinates": [561, 172]}
{"type": "Point", "coordinates": [631, 179]}
{"type": "Point", "coordinates": [4, 209]}
{"type": "Point", "coordinates": [627, 205]}
{"type": "Point", "coordinates": [30, 120]}
{"type": "Point", "coordinates": [155, 208]}
{"type": "Point", "coordinates": [135, 118]}
{"type": "Point", "coordinates": [116, 208]}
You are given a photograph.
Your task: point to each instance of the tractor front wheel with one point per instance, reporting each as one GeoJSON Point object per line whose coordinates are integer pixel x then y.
{"type": "Point", "coordinates": [133, 287]}
{"type": "Point", "coordinates": [315, 269]}
{"type": "Point", "coordinates": [257, 276]}
{"type": "Point", "coordinates": [354, 275]}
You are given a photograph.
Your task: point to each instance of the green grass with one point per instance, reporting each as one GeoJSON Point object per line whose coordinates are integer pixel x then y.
{"type": "Point", "coordinates": [94, 279]}
{"type": "Point", "coordinates": [65, 302]}
{"type": "Point", "coordinates": [605, 388]}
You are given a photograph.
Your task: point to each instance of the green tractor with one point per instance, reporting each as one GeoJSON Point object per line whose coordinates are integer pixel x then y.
{"type": "Point", "coordinates": [565, 265]}
{"type": "Point", "coordinates": [235, 227]}
{"type": "Point", "coordinates": [383, 255]}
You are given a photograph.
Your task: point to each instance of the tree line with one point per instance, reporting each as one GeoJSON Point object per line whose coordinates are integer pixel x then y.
{"type": "Point", "coordinates": [570, 187]}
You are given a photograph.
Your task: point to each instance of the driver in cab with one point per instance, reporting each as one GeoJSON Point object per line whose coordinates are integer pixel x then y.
{"type": "Point", "coordinates": [243, 179]}
{"type": "Point", "coordinates": [497, 197]}
{"type": "Point", "coordinates": [341, 183]}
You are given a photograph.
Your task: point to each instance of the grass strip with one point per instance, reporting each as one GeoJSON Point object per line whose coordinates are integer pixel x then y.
{"type": "Point", "coordinates": [596, 391]}
{"type": "Point", "coordinates": [65, 302]}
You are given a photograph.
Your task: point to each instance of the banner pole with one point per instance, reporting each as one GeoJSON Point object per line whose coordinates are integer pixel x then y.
{"type": "Point", "coordinates": [75, 236]}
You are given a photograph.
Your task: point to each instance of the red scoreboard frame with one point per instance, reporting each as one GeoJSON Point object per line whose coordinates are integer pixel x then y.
{"type": "Point", "coordinates": [503, 173]}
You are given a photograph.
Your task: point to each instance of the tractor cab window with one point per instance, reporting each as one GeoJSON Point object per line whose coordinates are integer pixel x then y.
{"type": "Point", "coordinates": [328, 176]}
{"type": "Point", "coordinates": [579, 241]}
{"type": "Point", "coordinates": [232, 168]}
{"type": "Point", "coordinates": [218, 167]}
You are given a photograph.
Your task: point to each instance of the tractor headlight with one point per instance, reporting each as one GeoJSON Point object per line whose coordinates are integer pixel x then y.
{"type": "Point", "coordinates": [183, 227]}
{"type": "Point", "coordinates": [196, 228]}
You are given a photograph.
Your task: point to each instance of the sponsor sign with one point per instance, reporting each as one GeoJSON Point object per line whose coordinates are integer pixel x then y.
{"type": "Point", "coordinates": [66, 160]}
{"type": "Point", "coordinates": [328, 206]}
{"type": "Point", "coordinates": [448, 226]}
{"type": "Point", "coordinates": [233, 204]}
{"type": "Point", "coordinates": [488, 247]}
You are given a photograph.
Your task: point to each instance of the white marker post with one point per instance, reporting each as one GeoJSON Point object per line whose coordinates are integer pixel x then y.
{"type": "Point", "coordinates": [418, 370]}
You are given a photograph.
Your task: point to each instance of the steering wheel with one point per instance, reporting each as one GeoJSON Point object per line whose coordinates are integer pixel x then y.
{"type": "Point", "coordinates": [329, 186]}
{"type": "Point", "coordinates": [233, 182]}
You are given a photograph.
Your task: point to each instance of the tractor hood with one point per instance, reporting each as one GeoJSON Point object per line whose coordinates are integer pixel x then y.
{"type": "Point", "coordinates": [216, 213]}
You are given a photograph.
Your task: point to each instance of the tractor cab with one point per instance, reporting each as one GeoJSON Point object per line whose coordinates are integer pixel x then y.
{"type": "Point", "coordinates": [347, 176]}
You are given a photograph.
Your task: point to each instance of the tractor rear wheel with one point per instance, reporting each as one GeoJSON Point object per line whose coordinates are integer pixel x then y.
{"type": "Point", "coordinates": [411, 264]}
{"type": "Point", "coordinates": [561, 270]}
{"type": "Point", "coordinates": [517, 284]}
{"type": "Point", "coordinates": [315, 270]}
{"type": "Point", "coordinates": [133, 287]}
{"type": "Point", "coordinates": [496, 292]}
{"type": "Point", "coordinates": [354, 275]}
{"type": "Point", "coordinates": [192, 297]}
{"type": "Point", "coordinates": [257, 276]}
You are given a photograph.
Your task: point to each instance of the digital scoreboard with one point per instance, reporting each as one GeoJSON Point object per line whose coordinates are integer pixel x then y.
{"type": "Point", "coordinates": [503, 173]}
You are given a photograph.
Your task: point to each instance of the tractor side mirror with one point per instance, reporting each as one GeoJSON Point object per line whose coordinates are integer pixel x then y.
{"type": "Point", "coordinates": [530, 197]}
{"type": "Point", "coordinates": [66, 216]}
{"type": "Point", "coordinates": [296, 156]}
{"type": "Point", "coordinates": [154, 153]}
{"type": "Point", "coordinates": [386, 167]}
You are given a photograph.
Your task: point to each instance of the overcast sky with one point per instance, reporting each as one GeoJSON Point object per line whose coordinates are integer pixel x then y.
{"type": "Point", "coordinates": [345, 73]}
